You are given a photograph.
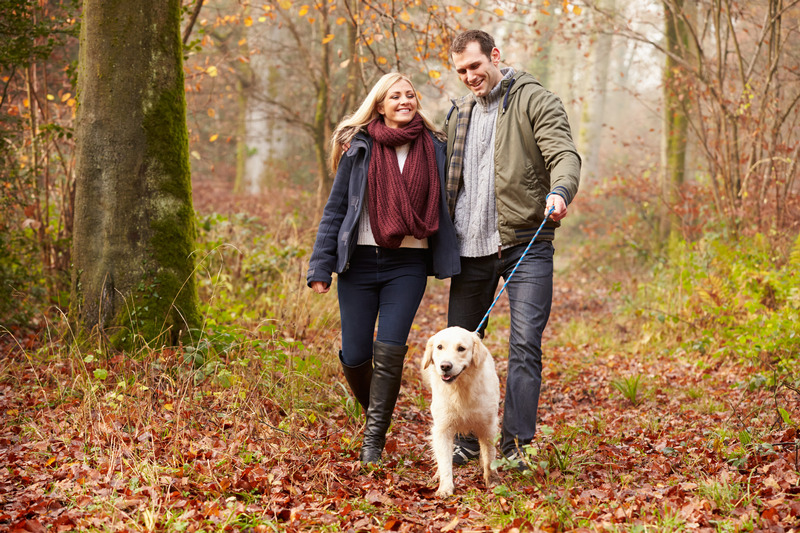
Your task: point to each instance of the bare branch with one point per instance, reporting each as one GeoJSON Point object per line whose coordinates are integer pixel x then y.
{"type": "Point", "coordinates": [195, 12]}
{"type": "Point", "coordinates": [5, 86]}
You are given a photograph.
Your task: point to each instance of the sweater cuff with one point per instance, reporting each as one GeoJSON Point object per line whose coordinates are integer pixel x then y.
{"type": "Point", "coordinates": [562, 192]}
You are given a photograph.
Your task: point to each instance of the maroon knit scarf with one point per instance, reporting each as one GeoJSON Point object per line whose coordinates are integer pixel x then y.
{"type": "Point", "coordinates": [407, 203]}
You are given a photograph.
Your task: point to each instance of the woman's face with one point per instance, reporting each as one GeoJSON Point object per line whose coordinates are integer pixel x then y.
{"type": "Point", "coordinates": [399, 106]}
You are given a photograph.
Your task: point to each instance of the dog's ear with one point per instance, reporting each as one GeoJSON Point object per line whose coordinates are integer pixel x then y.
{"type": "Point", "coordinates": [427, 359]}
{"type": "Point", "coordinates": [479, 351]}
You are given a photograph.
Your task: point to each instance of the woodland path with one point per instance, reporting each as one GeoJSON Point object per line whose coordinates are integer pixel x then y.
{"type": "Point", "coordinates": [676, 459]}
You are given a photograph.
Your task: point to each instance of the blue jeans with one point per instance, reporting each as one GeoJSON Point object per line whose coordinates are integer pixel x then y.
{"type": "Point", "coordinates": [530, 294]}
{"type": "Point", "coordinates": [380, 284]}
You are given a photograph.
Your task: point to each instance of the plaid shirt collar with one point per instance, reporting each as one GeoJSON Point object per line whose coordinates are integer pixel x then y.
{"type": "Point", "coordinates": [464, 106]}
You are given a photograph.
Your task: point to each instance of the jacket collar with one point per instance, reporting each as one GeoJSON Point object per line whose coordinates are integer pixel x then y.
{"type": "Point", "coordinates": [361, 138]}
{"type": "Point", "coordinates": [509, 86]}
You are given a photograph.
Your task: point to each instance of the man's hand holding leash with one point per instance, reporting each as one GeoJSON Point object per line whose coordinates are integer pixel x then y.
{"type": "Point", "coordinates": [558, 205]}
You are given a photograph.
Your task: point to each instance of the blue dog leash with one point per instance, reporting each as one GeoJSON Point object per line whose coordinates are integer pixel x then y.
{"type": "Point", "coordinates": [486, 316]}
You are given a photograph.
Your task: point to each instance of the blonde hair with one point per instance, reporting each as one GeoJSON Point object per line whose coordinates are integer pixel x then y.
{"type": "Point", "coordinates": [367, 112]}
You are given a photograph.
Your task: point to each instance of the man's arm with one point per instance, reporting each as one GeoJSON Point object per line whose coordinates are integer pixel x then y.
{"type": "Point", "coordinates": [554, 138]}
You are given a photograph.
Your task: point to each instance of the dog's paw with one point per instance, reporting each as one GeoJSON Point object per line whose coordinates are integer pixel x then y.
{"type": "Point", "coordinates": [445, 490]}
{"type": "Point", "coordinates": [492, 479]}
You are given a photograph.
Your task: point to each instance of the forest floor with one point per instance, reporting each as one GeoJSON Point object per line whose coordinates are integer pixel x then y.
{"type": "Point", "coordinates": [681, 442]}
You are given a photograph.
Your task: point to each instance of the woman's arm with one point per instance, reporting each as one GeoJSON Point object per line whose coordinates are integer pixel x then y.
{"type": "Point", "coordinates": [323, 258]}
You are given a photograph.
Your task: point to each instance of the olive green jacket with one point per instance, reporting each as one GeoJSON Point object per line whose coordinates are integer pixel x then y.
{"type": "Point", "coordinates": [534, 155]}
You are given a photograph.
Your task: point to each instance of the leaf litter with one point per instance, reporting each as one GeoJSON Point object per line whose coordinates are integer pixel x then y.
{"type": "Point", "coordinates": [699, 451]}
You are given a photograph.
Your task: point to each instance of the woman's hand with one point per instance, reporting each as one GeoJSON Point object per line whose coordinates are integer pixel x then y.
{"type": "Point", "coordinates": [320, 287]}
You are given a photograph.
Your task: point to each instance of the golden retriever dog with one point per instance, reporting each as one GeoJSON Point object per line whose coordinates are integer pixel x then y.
{"type": "Point", "coordinates": [465, 395]}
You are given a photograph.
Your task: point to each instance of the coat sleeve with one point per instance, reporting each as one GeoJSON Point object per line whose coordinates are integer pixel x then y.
{"type": "Point", "coordinates": [444, 243]}
{"type": "Point", "coordinates": [323, 258]}
{"type": "Point", "coordinates": [554, 138]}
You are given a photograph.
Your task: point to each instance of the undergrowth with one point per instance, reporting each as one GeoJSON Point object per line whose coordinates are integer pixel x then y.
{"type": "Point", "coordinates": [726, 299]}
{"type": "Point", "coordinates": [260, 367]}
{"type": "Point", "coordinates": [708, 302]}
{"type": "Point", "coordinates": [254, 270]}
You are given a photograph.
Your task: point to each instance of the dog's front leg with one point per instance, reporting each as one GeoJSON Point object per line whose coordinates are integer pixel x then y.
{"type": "Point", "coordinates": [488, 454]}
{"type": "Point", "coordinates": [443, 450]}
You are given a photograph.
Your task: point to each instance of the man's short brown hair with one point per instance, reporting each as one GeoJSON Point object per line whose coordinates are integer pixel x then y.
{"type": "Point", "coordinates": [461, 41]}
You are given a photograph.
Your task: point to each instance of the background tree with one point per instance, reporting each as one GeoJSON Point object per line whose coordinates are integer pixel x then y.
{"type": "Point", "coordinates": [594, 104]}
{"type": "Point", "coordinates": [677, 107]}
{"type": "Point", "coordinates": [329, 53]}
{"type": "Point", "coordinates": [37, 45]}
{"type": "Point", "coordinates": [542, 38]}
{"type": "Point", "coordinates": [134, 222]}
{"type": "Point", "coordinates": [734, 59]}
{"type": "Point", "coordinates": [545, 31]}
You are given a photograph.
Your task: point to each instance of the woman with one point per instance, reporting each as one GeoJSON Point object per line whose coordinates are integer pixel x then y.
{"type": "Point", "coordinates": [385, 227]}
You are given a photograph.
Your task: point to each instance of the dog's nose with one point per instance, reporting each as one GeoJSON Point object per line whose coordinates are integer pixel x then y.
{"type": "Point", "coordinates": [446, 366]}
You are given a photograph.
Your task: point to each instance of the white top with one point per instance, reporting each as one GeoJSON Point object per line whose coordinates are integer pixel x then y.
{"type": "Point", "coordinates": [365, 236]}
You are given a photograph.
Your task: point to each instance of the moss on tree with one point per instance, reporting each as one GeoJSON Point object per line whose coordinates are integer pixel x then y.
{"type": "Point", "coordinates": [135, 228]}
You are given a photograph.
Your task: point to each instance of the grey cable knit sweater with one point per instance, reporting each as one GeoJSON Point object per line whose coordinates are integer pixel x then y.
{"type": "Point", "coordinates": [476, 213]}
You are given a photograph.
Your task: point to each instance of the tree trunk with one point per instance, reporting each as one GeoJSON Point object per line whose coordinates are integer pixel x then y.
{"type": "Point", "coordinates": [245, 78]}
{"type": "Point", "coordinates": [132, 276]}
{"type": "Point", "coordinates": [562, 80]}
{"type": "Point", "coordinates": [242, 97]}
{"type": "Point", "coordinates": [541, 53]}
{"type": "Point", "coordinates": [676, 121]}
{"type": "Point", "coordinates": [321, 136]}
{"type": "Point", "coordinates": [352, 95]}
{"type": "Point", "coordinates": [321, 126]}
{"type": "Point", "coordinates": [594, 106]}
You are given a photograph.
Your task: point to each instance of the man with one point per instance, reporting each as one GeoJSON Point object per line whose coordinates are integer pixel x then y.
{"type": "Point", "coordinates": [511, 159]}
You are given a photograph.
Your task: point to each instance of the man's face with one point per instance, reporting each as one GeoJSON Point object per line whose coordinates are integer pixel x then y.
{"type": "Point", "coordinates": [478, 72]}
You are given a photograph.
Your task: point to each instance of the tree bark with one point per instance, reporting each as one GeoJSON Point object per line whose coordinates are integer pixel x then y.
{"type": "Point", "coordinates": [245, 79]}
{"type": "Point", "coordinates": [676, 120]}
{"type": "Point", "coordinates": [242, 150]}
{"type": "Point", "coordinates": [321, 125]}
{"type": "Point", "coordinates": [594, 106]}
{"type": "Point", "coordinates": [134, 237]}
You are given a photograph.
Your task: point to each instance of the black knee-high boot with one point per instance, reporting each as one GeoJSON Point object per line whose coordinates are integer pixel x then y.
{"type": "Point", "coordinates": [385, 386]}
{"type": "Point", "coordinates": [359, 379]}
